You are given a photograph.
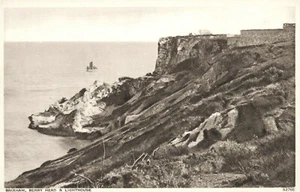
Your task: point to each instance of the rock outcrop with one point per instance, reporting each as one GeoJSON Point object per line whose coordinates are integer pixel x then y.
{"type": "Point", "coordinates": [235, 124]}
{"type": "Point", "coordinates": [186, 52]}
{"type": "Point", "coordinates": [201, 93]}
{"type": "Point", "coordinates": [72, 117]}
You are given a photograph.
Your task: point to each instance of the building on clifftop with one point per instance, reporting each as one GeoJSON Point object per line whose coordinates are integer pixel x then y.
{"type": "Point", "coordinates": [262, 36]}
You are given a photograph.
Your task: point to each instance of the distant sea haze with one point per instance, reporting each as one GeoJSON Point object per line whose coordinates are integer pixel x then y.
{"type": "Point", "coordinates": [38, 74]}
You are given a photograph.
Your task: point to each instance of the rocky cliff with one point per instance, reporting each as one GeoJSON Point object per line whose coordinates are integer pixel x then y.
{"type": "Point", "coordinates": [208, 111]}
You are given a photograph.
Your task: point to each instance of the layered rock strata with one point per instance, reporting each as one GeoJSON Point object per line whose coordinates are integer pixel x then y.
{"type": "Point", "coordinates": [202, 92]}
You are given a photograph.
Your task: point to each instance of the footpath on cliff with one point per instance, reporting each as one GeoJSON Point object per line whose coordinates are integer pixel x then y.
{"type": "Point", "coordinates": [210, 115]}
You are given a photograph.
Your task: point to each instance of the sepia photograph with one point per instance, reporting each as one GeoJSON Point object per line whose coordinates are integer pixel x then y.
{"type": "Point", "coordinates": [142, 95]}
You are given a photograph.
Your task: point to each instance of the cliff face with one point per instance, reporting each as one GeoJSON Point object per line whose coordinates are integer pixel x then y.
{"type": "Point", "coordinates": [202, 94]}
{"type": "Point", "coordinates": [186, 51]}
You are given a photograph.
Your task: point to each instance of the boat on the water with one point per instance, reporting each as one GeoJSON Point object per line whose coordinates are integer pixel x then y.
{"type": "Point", "coordinates": [91, 67]}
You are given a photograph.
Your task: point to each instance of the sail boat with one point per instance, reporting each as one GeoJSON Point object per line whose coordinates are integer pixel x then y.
{"type": "Point", "coordinates": [91, 67]}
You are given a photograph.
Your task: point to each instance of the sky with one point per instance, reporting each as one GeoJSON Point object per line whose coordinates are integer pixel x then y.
{"type": "Point", "coordinates": [137, 23]}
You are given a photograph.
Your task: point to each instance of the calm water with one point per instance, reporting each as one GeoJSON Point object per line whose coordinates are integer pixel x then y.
{"type": "Point", "coordinates": [38, 74]}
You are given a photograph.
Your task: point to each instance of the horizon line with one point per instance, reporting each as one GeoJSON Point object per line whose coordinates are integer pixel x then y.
{"type": "Point", "coordinates": [80, 41]}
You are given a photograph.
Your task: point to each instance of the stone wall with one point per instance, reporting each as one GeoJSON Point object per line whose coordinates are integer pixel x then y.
{"type": "Point", "coordinates": [262, 36]}
{"type": "Point", "coordinates": [261, 32]}
{"type": "Point", "coordinates": [289, 26]}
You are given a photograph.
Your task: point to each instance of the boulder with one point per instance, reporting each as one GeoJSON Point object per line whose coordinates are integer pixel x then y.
{"type": "Point", "coordinates": [235, 124]}
{"type": "Point", "coordinates": [270, 124]}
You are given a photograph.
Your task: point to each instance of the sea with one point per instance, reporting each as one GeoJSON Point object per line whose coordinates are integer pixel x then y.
{"type": "Point", "coordinates": [36, 74]}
